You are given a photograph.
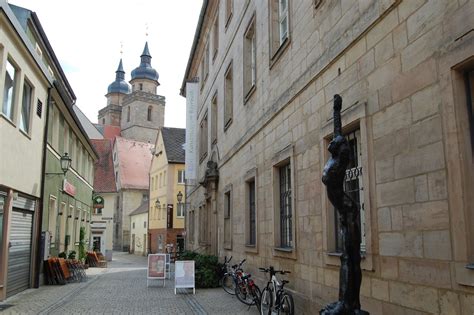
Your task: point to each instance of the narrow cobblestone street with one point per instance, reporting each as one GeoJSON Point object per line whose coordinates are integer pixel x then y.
{"type": "Point", "coordinates": [121, 289]}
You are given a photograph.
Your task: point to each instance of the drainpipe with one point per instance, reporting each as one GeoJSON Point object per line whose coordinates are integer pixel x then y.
{"type": "Point", "coordinates": [39, 259]}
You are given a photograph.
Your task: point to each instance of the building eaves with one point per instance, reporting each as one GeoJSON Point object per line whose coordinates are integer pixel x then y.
{"type": "Point", "coordinates": [143, 208]}
{"type": "Point", "coordinates": [174, 139]}
{"type": "Point", "coordinates": [197, 37]}
{"type": "Point", "coordinates": [17, 26]}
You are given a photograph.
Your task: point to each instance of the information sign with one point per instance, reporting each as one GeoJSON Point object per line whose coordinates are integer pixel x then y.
{"type": "Point", "coordinates": [184, 275]}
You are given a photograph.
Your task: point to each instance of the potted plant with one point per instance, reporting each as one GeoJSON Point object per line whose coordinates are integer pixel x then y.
{"type": "Point", "coordinates": [82, 246]}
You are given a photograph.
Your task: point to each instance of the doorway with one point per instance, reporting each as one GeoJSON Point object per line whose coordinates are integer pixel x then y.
{"type": "Point", "coordinates": [96, 244]}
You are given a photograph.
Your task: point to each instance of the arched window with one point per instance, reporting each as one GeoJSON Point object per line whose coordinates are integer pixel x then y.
{"type": "Point", "coordinates": [141, 86]}
{"type": "Point", "coordinates": [149, 113]}
{"type": "Point", "coordinates": [128, 114]}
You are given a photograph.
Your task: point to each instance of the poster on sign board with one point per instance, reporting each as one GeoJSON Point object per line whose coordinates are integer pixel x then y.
{"type": "Point", "coordinates": [156, 267]}
{"type": "Point", "coordinates": [184, 275]}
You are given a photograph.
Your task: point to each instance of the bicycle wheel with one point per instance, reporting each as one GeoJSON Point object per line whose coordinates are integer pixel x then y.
{"type": "Point", "coordinates": [266, 302]}
{"type": "Point", "coordinates": [228, 284]}
{"type": "Point", "coordinates": [242, 291]}
{"type": "Point", "coordinates": [287, 306]}
{"type": "Point", "coordinates": [257, 296]}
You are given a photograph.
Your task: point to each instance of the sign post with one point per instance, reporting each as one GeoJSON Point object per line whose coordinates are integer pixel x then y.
{"type": "Point", "coordinates": [184, 275]}
{"type": "Point", "coordinates": [156, 268]}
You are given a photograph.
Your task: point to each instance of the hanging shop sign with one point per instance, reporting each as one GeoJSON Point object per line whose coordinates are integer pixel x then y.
{"type": "Point", "coordinates": [69, 188]}
{"type": "Point", "coordinates": [98, 202]}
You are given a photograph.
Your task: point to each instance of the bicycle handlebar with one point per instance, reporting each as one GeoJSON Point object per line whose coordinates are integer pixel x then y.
{"type": "Point", "coordinates": [273, 271]}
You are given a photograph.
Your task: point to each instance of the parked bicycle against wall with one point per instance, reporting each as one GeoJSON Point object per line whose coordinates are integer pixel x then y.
{"type": "Point", "coordinates": [229, 280]}
{"type": "Point", "coordinates": [275, 299]}
{"type": "Point", "coordinates": [247, 291]}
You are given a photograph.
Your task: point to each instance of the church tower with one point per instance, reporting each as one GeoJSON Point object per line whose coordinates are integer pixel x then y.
{"type": "Point", "coordinates": [117, 90]}
{"type": "Point", "coordinates": [143, 111]}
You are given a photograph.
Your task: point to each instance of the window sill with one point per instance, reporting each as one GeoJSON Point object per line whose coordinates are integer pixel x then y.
{"type": "Point", "coordinates": [249, 94]}
{"type": "Point", "coordinates": [284, 249]}
{"type": "Point", "coordinates": [285, 252]}
{"type": "Point", "coordinates": [339, 254]}
{"type": "Point", "coordinates": [7, 119]}
{"type": "Point", "coordinates": [251, 248]}
{"type": "Point", "coordinates": [25, 134]}
{"type": "Point", "coordinates": [227, 22]}
{"type": "Point", "coordinates": [227, 125]}
{"type": "Point", "coordinates": [279, 52]}
{"type": "Point", "coordinates": [202, 158]}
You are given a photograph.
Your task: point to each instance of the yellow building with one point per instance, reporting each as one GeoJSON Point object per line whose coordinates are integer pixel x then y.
{"type": "Point", "coordinates": [166, 214]}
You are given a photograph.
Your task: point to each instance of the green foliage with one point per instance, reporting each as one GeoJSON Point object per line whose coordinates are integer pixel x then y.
{"type": "Point", "coordinates": [207, 269]}
{"type": "Point", "coordinates": [62, 255]}
{"type": "Point", "coordinates": [82, 244]}
{"type": "Point", "coordinates": [72, 255]}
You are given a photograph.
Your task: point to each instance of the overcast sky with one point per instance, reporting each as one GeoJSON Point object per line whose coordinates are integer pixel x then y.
{"type": "Point", "coordinates": [86, 36]}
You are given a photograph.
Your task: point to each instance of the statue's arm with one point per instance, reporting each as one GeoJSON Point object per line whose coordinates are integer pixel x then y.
{"type": "Point", "coordinates": [337, 115]}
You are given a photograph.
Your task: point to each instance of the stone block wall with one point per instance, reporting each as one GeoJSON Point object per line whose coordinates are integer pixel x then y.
{"type": "Point", "coordinates": [394, 64]}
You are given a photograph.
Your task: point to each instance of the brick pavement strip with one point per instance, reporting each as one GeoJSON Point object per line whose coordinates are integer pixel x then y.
{"type": "Point", "coordinates": [121, 289]}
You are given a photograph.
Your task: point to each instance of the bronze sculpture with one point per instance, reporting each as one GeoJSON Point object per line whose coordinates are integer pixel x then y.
{"type": "Point", "coordinates": [350, 276]}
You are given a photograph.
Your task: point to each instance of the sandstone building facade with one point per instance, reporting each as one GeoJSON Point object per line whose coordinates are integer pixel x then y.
{"type": "Point", "coordinates": [267, 72]}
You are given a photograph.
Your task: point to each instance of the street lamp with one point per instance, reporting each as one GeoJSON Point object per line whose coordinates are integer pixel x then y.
{"type": "Point", "coordinates": [157, 203]}
{"type": "Point", "coordinates": [179, 196]}
{"type": "Point", "coordinates": [65, 163]}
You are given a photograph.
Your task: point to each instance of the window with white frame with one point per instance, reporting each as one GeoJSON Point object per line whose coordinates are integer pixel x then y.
{"type": "Point", "coordinates": [279, 25]}
{"type": "Point", "coordinates": [180, 210]}
{"type": "Point", "coordinates": [9, 89]}
{"type": "Point", "coordinates": [283, 19]}
{"type": "Point", "coordinates": [228, 97]}
{"type": "Point", "coordinates": [53, 214]}
{"type": "Point", "coordinates": [181, 177]}
{"type": "Point", "coordinates": [250, 59]}
{"type": "Point", "coordinates": [26, 104]}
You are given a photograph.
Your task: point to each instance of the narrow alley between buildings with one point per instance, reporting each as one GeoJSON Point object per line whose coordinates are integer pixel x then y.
{"type": "Point", "coordinates": [121, 288]}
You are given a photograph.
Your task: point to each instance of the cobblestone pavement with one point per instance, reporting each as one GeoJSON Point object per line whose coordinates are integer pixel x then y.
{"type": "Point", "coordinates": [122, 289]}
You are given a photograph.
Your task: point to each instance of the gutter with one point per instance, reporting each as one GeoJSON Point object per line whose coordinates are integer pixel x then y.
{"type": "Point", "coordinates": [197, 37]}
{"type": "Point", "coordinates": [43, 188]}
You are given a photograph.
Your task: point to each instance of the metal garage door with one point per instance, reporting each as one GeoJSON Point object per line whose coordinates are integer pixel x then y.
{"type": "Point", "coordinates": [19, 253]}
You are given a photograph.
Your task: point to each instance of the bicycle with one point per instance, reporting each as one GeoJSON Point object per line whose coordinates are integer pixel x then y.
{"type": "Point", "coordinates": [274, 296]}
{"type": "Point", "coordinates": [229, 280]}
{"type": "Point", "coordinates": [247, 291]}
